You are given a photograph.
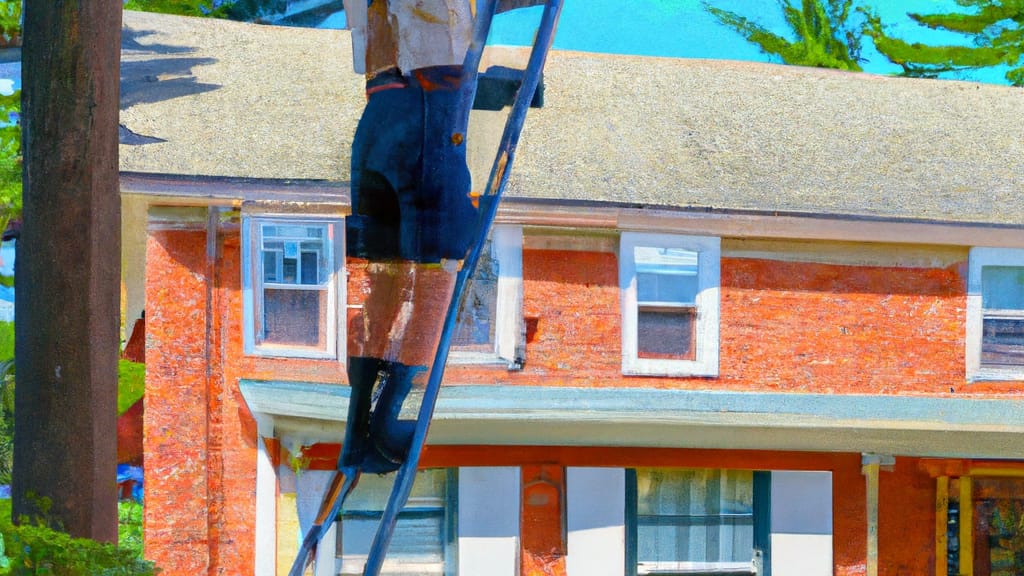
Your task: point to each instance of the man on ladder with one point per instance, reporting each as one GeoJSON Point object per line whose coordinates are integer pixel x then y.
{"type": "Point", "coordinates": [414, 224]}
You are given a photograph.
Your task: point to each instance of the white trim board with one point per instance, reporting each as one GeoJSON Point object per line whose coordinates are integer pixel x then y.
{"type": "Point", "coordinates": [531, 415]}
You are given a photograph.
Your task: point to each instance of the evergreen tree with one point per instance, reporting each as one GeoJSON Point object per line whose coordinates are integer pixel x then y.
{"type": "Point", "coordinates": [994, 27]}
{"type": "Point", "coordinates": [825, 34]}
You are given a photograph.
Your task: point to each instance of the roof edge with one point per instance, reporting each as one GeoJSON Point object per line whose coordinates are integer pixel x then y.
{"type": "Point", "coordinates": [756, 224]}
{"type": "Point", "coordinates": [203, 190]}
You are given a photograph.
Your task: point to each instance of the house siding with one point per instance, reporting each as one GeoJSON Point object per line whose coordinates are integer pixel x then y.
{"type": "Point", "coordinates": [175, 427]}
{"type": "Point", "coordinates": [786, 326]}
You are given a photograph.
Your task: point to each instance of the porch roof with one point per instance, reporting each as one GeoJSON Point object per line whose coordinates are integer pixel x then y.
{"type": "Point", "coordinates": [527, 415]}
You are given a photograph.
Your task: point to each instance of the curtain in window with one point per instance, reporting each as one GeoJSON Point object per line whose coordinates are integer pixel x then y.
{"type": "Point", "coordinates": [688, 520]}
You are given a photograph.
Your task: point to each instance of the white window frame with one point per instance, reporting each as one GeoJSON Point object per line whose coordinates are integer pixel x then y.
{"type": "Point", "coordinates": [507, 249]}
{"type": "Point", "coordinates": [637, 566]}
{"type": "Point", "coordinates": [252, 288]}
{"type": "Point", "coordinates": [708, 251]}
{"type": "Point", "coordinates": [978, 259]}
{"type": "Point", "coordinates": [445, 506]}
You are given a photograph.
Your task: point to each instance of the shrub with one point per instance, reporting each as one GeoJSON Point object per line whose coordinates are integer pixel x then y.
{"type": "Point", "coordinates": [37, 550]}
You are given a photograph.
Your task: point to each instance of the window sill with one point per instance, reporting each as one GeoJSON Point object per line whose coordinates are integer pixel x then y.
{"type": "Point", "coordinates": [481, 359]}
{"type": "Point", "coordinates": [1008, 374]}
{"type": "Point", "coordinates": [696, 568]}
{"type": "Point", "coordinates": [669, 368]}
{"type": "Point", "coordinates": [266, 351]}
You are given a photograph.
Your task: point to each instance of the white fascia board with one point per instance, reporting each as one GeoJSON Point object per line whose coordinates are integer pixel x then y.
{"type": "Point", "coordinates": [530, 415]}
{"type": "Point", "coordinates": [837, 227]}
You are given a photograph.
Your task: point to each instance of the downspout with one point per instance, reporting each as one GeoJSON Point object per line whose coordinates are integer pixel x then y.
{"type": "Point", "coordinates": [213, 477]}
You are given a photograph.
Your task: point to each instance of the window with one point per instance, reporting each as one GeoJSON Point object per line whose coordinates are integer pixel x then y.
{"type": "Point", "coordinates": [291, 292]}
{"type": "Point", "coordinates": [986, 516]}
{"type": "Point", "coordinates": [669, 288]}
{"type": "Point", "coordinates": [490, 322]}
{"type": "Point", "coordinates": [995, 314]}
{"type": "Point", "coordinates": [424, 538]}
{"type": "Point", "coordinates": [691, 521]}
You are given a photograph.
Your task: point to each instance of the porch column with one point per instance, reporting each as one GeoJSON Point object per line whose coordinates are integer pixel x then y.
{"type": "Point", "coordinates": [870, 465]}
{"type": "Point", "coordinates": [265, 553]}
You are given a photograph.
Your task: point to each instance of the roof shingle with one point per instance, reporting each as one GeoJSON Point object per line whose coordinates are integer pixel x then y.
{"type": "Point", "coordinates": [250, 101]}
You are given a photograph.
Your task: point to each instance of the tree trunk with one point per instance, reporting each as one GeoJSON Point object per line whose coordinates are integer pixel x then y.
{"type": "Point", "coordinates": [68, 267]}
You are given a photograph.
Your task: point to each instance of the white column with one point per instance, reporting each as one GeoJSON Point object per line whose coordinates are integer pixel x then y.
{"type": "Point", "coordinates": [266, 504]}
{"type": "Point", "coordinates": [326, 553]}
{"type": "Point", "coordinates": [310, 486]}
{"type": "Point", "coordinates": [801, 523]}
{"type": "Point", "coordinates": [489, 521]}
{"type": "Point", "coordinates": [596, 510]}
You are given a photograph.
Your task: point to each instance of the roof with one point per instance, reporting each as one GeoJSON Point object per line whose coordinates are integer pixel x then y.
{"type": "Point", "coordinates": [218, 98]}
{"type": "Point", "coordinates": [250, 101]}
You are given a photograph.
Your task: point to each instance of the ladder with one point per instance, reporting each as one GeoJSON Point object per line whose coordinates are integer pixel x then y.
{"type": "Point", "coordinates": [345, 478]}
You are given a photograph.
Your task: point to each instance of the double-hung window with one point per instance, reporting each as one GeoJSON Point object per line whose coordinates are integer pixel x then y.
{"type": "Point", "coordinates": [995, 314]}
{"type": "Point", "coordinates": [424, 539]}
{"type": "Point", "coordinates": [670, 299]}
{"type": "Point", "coordinates": [490, 323]}
{"type": "Point", "coordinates": [690, 521]}
{"type": "Point", "coordinates": [291, 270]}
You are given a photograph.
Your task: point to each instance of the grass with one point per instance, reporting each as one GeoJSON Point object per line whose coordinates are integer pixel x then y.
{"type": "Point", "coordinates": [131, 383]}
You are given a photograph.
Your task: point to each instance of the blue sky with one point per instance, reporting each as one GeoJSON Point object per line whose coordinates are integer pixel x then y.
{"type": "Point", "coordinates": [684, 29]}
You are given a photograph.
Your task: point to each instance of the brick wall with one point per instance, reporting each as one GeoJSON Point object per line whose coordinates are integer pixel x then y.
{"type": "Point", "coordinates": [786, 326]}
{"type": "Point", "coordinates": [176, 523]}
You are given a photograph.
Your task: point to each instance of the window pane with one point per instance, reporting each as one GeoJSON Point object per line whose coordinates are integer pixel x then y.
{"type": "Point", "coordinates": [294, 317]}
{"type": "Point", "coordinates": [666, 333]}
{"type": "Point", "coordinates": [309, 267]}
{"type": "Point", "coordinates": [1002, 340]}
{"type": "Point", "coordinates": [695, 516]}
{"type": "Point", "coordinates": [300, 252]}
{"type": "Point", "coordinates": [1002, 288]}
{"type": "Point", "coordinates": [418, 544]}
{"type": "Point", "coordinates": [474, 329]}
{"type": "Point", "coordinates": [293, 231]}
{"type": "Point", "coordinates": [428, 489]}
{"type": "Point", "coordinates": [999, 526]}
{"type": "Point", "coordinates": [674, 288]}
{"type": "Point", "coordinates": [1002, 298]}
{"type": "Point", "coordinates": [666, 275]}
{"type": "Point", "coordinates": [289, 271]}
{"type": "Point", "coordinates": [272, 260]}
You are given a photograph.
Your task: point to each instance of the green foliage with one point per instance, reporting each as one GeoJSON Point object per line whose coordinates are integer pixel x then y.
{"type": "Point", "coordinates": [10, 22]}
{"type": "Point", "coordinates": [6, 341]}
{"type": "Point", "coordinates": [994, 28]}
{"type": "Point", "coordinates": [182, 7]}
{"type": "Point", "coordinates": [35, 549]}
{"type": "Point", "coordinates": [10, 158]}
{"type": "Point", "coordinates": [129, 527]}
{"type": "Point", "coordinates": [250, 10]}
{"type": "Point", "coordinates": [131, 384]}
{"type": "Point", "coordinates": [824, 32]}
{"type": "Point", "coordinates": [244, 10]}
{"type": "Point", "coordinates": [6, 401]}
